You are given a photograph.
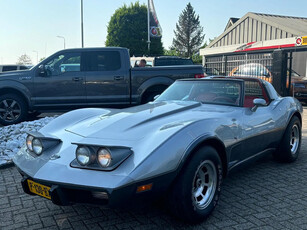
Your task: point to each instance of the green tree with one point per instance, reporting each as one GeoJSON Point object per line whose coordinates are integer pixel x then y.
{"type": "Point", "coordinates": [42, 59]}
{"type": "Point", "coordinates": [189, 33]}
{"type": "Point", "coordinates": [197, 59]}
{"type": "Point", "coordinates": [171, 52]}
{"type": "Point", "coordinates": [24, 60]}
{"type": "Point", "coordinates": [128, 28]}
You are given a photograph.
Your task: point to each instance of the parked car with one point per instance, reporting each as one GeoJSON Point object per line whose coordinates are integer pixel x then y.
{"type": "Point", "coordinates": [88, 77]}
{"type": "Point", "coordinates": [298, 86]}
{"type": "Point", "coordinates": [252, 70]}
{"type": "Point", "coordinates": [180, 146]}
{"type": "Point", "coordinates": [161, 61]}
{"type": "Point", "coordinates": [6, 68]}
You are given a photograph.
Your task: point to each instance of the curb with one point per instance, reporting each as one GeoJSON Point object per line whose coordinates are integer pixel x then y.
{"type": "Point", "coordinates": [7, 165]}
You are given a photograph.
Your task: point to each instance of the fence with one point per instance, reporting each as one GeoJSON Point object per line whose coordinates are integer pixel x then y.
{"type": "Point", "coordinates": [253, 65]}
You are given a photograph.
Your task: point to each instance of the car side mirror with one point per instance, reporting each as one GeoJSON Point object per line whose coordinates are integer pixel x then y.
{"type": "Point", "coordinates": [258, 102]}
{"type": "Point", "coordinates": [41, 71]}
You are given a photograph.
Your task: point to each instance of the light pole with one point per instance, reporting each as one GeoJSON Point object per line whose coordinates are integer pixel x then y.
{"type": "Point", "coordinates": [63, 39]}
{"type": "Point", "coordinates": [82, 41]}
{"type": "Point", "coordinates": [36, 55]}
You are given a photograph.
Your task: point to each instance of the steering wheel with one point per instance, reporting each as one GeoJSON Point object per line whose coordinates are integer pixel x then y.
{"type": "Point", "coordinates": [223, 99]}
{"type": "Point", "coordinates": [51, 71]}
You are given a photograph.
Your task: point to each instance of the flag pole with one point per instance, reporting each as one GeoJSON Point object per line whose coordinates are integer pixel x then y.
{"type": "Point", "coordinates": [148, 25]}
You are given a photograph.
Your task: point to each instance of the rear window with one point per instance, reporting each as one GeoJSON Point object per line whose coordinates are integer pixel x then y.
{"type": "Point", "coordinates": [102, 61]}
{"type": "Point", "coordinates": [9, 68]}
{"type": "Point", "coordinates": [166, 62]}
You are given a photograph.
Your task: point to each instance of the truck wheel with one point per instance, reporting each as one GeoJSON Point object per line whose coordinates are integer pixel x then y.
{"type": "Point", "coordinates": [197, 189]}
{"type": "Point", "coordinates": [13, 109]}
{"type": "Point", "coordinates": [290, 144]}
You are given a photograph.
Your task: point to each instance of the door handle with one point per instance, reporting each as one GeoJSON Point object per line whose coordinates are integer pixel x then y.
{"type": "Point", "coordinates": [77, 78]}
{"type": "Point", "coordinates": [118, 78]}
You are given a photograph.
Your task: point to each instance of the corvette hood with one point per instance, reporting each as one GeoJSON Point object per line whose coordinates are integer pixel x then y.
{"type": "Point", "coordinates": [132, 123]}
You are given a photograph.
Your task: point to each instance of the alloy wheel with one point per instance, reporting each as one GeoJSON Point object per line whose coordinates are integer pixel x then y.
{"type": "Point", "coordinates": [10, 110]}
{"type": "Point", "coordinates": [204, 184]}
{"type": "Point", "coordinates": [294, 138]}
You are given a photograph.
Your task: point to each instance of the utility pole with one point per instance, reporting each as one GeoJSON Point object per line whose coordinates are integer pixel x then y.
{"type": "Point", "coordinates": [63, 39]}
{"type": "Point", "coordinates": [36, 55]}
{"type": "Point", "coordinates": [82, 40]}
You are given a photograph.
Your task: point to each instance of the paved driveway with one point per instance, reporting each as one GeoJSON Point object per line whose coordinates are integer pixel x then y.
{"type": "Point", "coordinates": [264, 195]}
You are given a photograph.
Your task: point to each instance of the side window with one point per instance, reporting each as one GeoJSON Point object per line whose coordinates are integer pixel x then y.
{"type": "Point", "coordinates": [253, 90]}
{"type": "Point", "coordinates": [9, 68]}
{"type": "Point", "coordinates": [68, 62]}
{"type": "Point", "coordinates": [103, 61]}
{"type": "Point", "coordinates": [23, 67]}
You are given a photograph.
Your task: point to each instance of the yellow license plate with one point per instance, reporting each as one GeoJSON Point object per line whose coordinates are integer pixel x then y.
{"type": "Point", "coordinates": [304, 40]}
{"type": "Point", "coordinates": [39, 189]}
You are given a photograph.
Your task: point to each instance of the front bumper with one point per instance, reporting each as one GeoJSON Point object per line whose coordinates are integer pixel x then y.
{"type": "Point", "coordinates": [67, 194]}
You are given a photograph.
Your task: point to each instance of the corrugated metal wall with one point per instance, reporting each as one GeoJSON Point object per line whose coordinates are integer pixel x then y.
{"type": "Point", "coordinates": [251, 30]}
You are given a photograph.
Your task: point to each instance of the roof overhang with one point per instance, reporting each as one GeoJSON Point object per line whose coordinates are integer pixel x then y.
{"type": "Point", "coordinates": [257, 46]}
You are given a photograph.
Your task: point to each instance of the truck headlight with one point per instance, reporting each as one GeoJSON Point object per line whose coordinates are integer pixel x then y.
{"type": "Point", "coordinates": [84, 155]}
{"type": "Point", "coordinates": [104, 157]}
{"type": "Point", "coordinates": [37, 146]}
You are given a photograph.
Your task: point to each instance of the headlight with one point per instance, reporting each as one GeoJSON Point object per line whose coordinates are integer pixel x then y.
{"type": "Point", "coordinates": [104, 157]}
{"type": "Point", "coordinates": [84, 155]}
{"type": "Point", "coordinates": [29, 142]}
{"type": "Point", "coordinates": [37, 143]}
{"type": "Point", "coordinates": [37, 146]}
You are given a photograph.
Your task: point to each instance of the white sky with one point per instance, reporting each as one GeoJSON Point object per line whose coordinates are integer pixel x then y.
{"type": "Point", "coordinates": [33, 25]}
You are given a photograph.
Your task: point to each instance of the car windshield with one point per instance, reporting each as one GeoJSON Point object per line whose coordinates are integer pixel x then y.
{"type": "Point", "coordinates": [204, 91]}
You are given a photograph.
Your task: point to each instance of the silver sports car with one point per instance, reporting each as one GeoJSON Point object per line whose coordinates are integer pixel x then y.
{"type": "Point", "coordinates": [180, 146]}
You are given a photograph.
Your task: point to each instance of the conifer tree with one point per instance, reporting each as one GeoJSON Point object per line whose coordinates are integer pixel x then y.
{"type": "Point", "coordinates": [189, 33]}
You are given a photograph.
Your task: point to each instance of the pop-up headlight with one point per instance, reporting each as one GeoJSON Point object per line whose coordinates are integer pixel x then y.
{"type": "Point", "coordinates": [37, 143]}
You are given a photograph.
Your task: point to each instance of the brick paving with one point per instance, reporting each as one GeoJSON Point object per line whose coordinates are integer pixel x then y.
{"type": "Point", "coordinates": [264, 195]}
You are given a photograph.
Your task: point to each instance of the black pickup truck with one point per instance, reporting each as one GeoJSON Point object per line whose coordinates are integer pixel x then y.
{"type": "Point", "coordinates": [85, 77]}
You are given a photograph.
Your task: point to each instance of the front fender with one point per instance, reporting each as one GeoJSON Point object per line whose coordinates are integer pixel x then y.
{"type": "Point", "coordinates": [171, 155]}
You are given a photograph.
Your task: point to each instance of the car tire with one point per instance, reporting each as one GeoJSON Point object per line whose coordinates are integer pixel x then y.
{"type": "Point", "coordinates": [196, 191]}
{"type": "Point", "coordinates": [289, 147]}
{"type": "Point", "coordinates": [13, 109]}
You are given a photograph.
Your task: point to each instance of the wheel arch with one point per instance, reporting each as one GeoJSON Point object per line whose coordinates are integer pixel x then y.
{"type": "Point", "coordinates": [297, 114]}
{"type": "Point", "coordinates": [8, 90]}
{"type": "Point", "coordinates": [207, 141]}
{"type": "Point", "coordinates": [154, 84]}
{"type": "Point", "coordinates": [151, 89]}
